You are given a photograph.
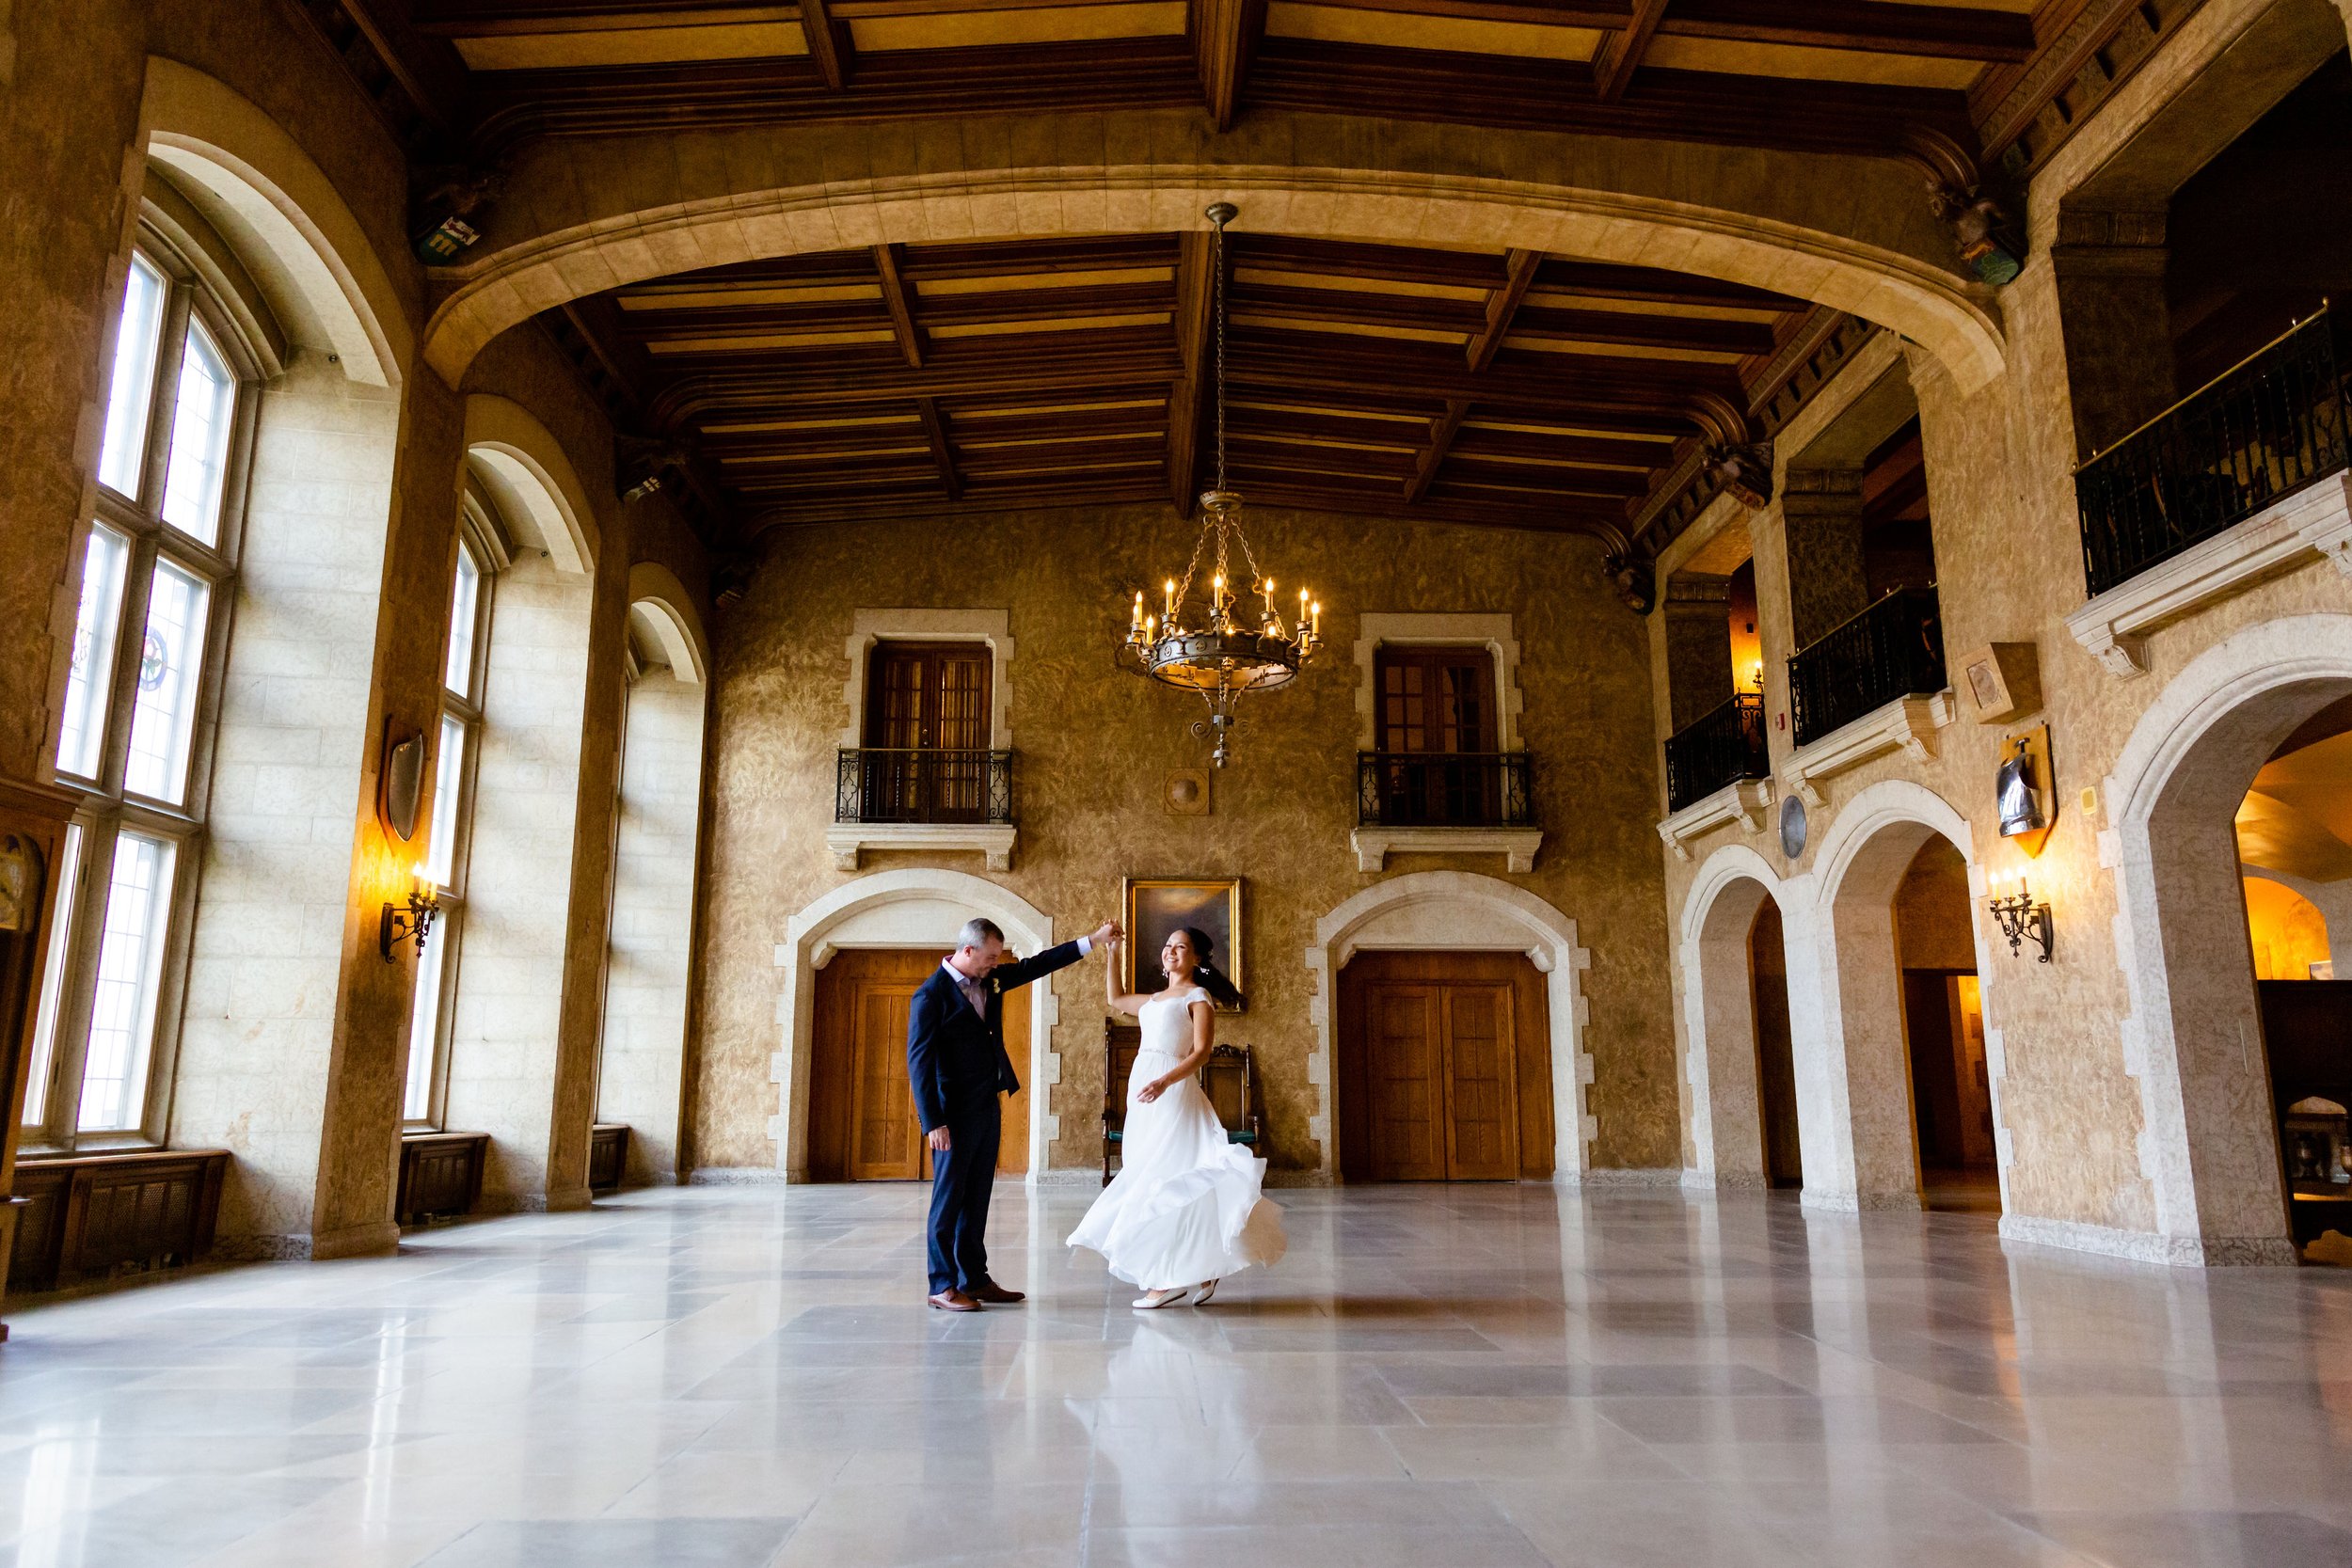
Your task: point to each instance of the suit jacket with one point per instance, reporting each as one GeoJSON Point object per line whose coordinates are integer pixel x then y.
{"type": "Point", "coordinates": [954, 1055]}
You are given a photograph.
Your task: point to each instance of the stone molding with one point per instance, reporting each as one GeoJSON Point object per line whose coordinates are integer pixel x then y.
{"type": "Point", "coordinates": [1494, 632]}
{"type": "Point", "coordinates": [846, 841]}
{"type": "Point", "coordinates": [2148, 1247]}
{"type": "Point", "coordinates": [1895, 1202]}
{"type": "Point", "coordinates": [2114, 627]}
{"type": "Point", "coordinates": [1654, 1179]}
{"type": "Point", "coordinates": [1711, 1181]}
{"type": "Point", "coordinates": [900, 909]}
{"type": "Point", "coordinates": [1743, 801]}
{"type": "Point", "coordinates": [992, 627]}
{"type": "Point", "coordinates": [1907, 724]}
{"type": "Point", "coordinates": [1464, 911]}
{"type": "Point", "coordinates": [1516, 846]}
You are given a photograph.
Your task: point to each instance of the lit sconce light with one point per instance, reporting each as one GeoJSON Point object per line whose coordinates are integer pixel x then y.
{"type": "Point", "coordinates": [412, 922]}
{"type": "Point", "coordinates": [2012, 905]}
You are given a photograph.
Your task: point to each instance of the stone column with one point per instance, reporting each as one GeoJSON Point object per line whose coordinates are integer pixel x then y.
{"type": "Point", "coordinates": [1696, 613]}
{"type": "Point", "coordinates": [2110, 269]}
{"type": "Point", "coordinates": [1821, 513]}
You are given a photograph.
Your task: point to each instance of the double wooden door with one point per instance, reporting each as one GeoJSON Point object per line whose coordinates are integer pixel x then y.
{"type": "Point", "coordinates": [862, 1125]}
{"type": "Point", "coordinates": [1444, 1070]}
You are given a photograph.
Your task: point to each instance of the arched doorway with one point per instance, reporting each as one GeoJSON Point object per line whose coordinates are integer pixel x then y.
{"type": "Point", "coordinates": [1739, 1068]}
{"type": "Point", "coordinates": [1486, 976]}
{"type": "Point", "coordinates": [1951, 1090]}
{"type": "Point", "coordinates": [2211, 1147]}
{"type": "Point", "coordinates": [1896, 856]}
{"type": "Point", "coordinates": [898, 914]}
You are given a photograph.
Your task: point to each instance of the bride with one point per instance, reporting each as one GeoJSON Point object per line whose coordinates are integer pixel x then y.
{"type": "Point", "coordinates": [1185, 1209]}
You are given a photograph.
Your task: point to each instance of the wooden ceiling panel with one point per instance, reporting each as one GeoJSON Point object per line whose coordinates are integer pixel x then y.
{"type": "Point", "coordinates": [1418, 382]}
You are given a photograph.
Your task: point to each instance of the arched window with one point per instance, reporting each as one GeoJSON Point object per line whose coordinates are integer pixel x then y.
{"type": "Point", "coordinates": [158, 574]}
{"type": "Point", "coordinates": [464, 670]}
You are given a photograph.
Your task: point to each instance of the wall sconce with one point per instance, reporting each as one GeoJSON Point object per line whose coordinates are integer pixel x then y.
{"type": "Point", "coordinates": [2020, 917]}
{"type": "Point", "coordinates": [412, 922]}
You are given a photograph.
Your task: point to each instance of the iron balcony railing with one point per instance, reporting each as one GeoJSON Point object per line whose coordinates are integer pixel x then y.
{"type": "Point", "coordinates": [1724, 744]}
{"type": "Point", "coordinates": [2261, 430]}
{"type": "Point", "coordinates": [1443, 789]}
{"type": "Point", "coordinates": [1893, 649]}
{"type": "Point", "coordinates": [892, 784]}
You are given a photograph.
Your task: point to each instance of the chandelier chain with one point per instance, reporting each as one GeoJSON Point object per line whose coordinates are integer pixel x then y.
{"type": "Point", "coordinates": [1216, 261]}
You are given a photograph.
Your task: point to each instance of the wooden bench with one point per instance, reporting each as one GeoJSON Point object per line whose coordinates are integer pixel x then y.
{"type": "Point", "coordinates": [91, 1217]}
{"type": "Point", "coordinates": [1229, 1078]}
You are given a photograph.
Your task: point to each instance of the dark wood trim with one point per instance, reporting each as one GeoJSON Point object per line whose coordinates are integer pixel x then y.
{"type": "Point", "coordinates": [1225, 38]}
{"type": "Point", "coordinates": [1520, 269]}
{"type": "Point", "coordinates": [1442, 432]}
{"type": "Point", "coordinates": [94, 1215]}
{"type": "Point", "coordinates": [896, 300]}
{"type": "Point", "coordinates": [829, 42]}
{"type": "Point", "coordinates": [607, 1156]}
{"type": "Point", "coordinates": [441, 1175]}
{"type": "Point", "coordinates": [943, 458]}
{"type": "Point", "coordinates": [1621, 52]}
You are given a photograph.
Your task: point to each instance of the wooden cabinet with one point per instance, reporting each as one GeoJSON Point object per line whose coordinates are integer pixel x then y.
{"type": "Point", "coordinates": [862, 1125]}
{"type": "Point", "coordinates": [88, 1216]}
{"type": "Point", "coordinates": [1444, 1068]}
{"type": "Point", "coordinates": [440, 1174]}
{"type": "Point", "coordinates": [608, 1155]}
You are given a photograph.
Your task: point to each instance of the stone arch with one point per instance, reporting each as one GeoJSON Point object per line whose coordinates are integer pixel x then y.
{"type": "Point", "coordinates": [284, 216]}
{"type": "Point", "coordinates": [2208, 1147]}
{"type": "Point", "coordinates": [1429, 910]}
{"type": "Point", "coordinates": [1854, 1076]}
{"type": "Point", "coordinates": [523, 466]}
{"type": "Point", "coordinates": [1719, 1015]}
{"type": "Point", "coordinates": [1403, 184]}
{"type": "Point", "coordinates": [911, 908]}
{"type": "Point", "coordinates": [671, 617]}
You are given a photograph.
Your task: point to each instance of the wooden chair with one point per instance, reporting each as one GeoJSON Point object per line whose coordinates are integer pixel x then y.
{"type": "Point", "coordinates": [1229, 1078]}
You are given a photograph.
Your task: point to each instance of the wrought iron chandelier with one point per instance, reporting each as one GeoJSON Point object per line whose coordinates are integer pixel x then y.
{"type": "Point", "coordinates": [1227, 644]}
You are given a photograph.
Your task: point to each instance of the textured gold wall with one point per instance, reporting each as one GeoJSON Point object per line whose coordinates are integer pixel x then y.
{"type": "Point", "coordinates": [1094, 747]}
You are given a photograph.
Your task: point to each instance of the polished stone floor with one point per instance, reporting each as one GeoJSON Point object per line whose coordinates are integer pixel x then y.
{"type": "Point", "coordinates": [728, 1378]}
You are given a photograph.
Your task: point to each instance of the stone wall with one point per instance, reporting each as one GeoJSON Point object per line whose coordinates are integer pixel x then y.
{"type": "Point", "coordinates": [1094, 747]}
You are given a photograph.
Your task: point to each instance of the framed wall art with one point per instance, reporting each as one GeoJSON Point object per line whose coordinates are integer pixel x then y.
{"type": "Point", "coordinates": [1154, 906]}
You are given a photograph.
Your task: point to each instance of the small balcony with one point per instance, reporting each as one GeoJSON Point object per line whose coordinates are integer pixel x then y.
{"type": "Point", "coordinates": [1893, 650]}
{"type": "Point", "coordinates": [2256, 434]}
{"type": "Point", "coordinates": [1722, 746]}
{"type": "Point", "coordinates": [883, 785]}
{"type": "Point", "coordinates": [922, 799]}
{"type": "Point", "coordinates": [1446, 803]}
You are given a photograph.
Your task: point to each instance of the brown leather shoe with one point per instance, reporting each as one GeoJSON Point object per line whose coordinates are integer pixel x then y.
{"type": "Point", "coordinates": [989, 1290]}
{"type": "Point", "coordinates": [952, 1299]}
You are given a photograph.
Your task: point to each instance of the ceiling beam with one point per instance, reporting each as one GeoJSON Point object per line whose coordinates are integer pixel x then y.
{"type": "Point", "coordinates": [935, 431]}
{"type": "Point", "coordinates": [1441, 430]}
{"type": "Point", "coordinates": [1502, 304]}
{"type": "Point", "coordinates": [829, 42]}
{"type": "Point", "coordinates": [1188, 393]}
{"type": "Point", "coordinates": [897, 301]}
{"type": "Point", "coordinates": [1612, 67]}
{"type": "Point", "coordinates": [1225, 36]}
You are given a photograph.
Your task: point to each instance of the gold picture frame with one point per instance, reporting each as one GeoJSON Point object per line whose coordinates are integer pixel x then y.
{"type": "Point", "coordinates": [1150, 907]}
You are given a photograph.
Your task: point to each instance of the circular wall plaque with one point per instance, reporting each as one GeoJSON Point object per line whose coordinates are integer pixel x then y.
{"type": "Point", "coordinates": [1791, 826]}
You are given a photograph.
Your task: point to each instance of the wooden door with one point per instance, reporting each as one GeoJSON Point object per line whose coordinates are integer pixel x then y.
{"type": "Point", "coordinates": [862, 1125]}
{"type": "Point", "coordinates": [1444, 1071]}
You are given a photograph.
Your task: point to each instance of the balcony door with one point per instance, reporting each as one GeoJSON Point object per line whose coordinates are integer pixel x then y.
{"type": "Point", "coordinates": [926, 732]}
{"type": "Point", "coordinates": [861, 1116]}
{"type": "Point", "coordinates": [1438, 736]}
{"type": "Point", "coordinates": [1444, 1073]}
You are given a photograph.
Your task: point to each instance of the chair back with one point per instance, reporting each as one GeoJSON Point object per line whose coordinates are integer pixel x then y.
{"type": "Point", "coordinates": [1121, 1041]}
{"type": "Point", "coordinates": [1227, 1079]}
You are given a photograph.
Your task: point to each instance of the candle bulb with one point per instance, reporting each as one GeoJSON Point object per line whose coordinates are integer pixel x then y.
{"type": "Point", "coordinates": [1171, 598]}
{"type": "Point", "coordinates": [1316, 624]}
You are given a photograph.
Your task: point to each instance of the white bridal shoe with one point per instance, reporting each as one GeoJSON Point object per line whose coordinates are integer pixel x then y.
{"type": "Point", "coordinates": [1201, 1293]}
{"type": "Point", "coordinates": [1160, 1298]}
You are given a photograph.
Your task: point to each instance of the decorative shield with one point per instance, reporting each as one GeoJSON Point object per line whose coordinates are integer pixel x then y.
{"type": "Point", "coordinates": [403, 785]}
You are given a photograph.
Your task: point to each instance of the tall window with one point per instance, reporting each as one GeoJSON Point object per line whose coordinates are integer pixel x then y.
{"type": "Point", "coordinates": [1437, 733]}
{"type": "Point", "coordinates": [452, 817]}
{"type": "Point", "coordinates": [926, 732]}
{"type": "Point", "coordinates": [157, 576]}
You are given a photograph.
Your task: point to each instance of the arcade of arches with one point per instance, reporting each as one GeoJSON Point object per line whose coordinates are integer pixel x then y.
{"type": "Point", "coordinates": [557, 549]}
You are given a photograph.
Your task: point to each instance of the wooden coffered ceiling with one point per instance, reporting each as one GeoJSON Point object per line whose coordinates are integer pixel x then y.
{"type": "Point", "coordinates": [1515, 389]}
{"type": "Point", "coordinates": [1846, 75]}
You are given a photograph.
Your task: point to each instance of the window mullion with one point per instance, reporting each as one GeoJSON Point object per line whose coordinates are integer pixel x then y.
{"type": "Point", "coordinates": [87, 931]}
{"type": "Point", "coordinates": [164, 407]}
{"type": "Point", "coordinates": [131, 644]}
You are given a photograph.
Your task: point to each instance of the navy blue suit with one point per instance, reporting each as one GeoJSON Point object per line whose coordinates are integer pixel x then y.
{"type": "Point", "coordinates": [957, 1065]}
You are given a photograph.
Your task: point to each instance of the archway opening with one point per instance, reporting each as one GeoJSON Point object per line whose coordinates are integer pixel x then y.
{"type": "Point", "coordinates": [2293, 830]}
{"type": "Point", "coordinates": [1951, 1090]}
{"type": "Point", "coordinates": [1775, 1060]}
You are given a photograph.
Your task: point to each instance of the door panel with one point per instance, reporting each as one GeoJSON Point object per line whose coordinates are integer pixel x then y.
{"type": "Point", "coordinates": [1444, 1073]}
{"type": "Point", "coordinates": [862, 1123]}
{"type": "Point", "coordinates": [1483, 1114]}
{"type": "Point", "coordinates": [1407, 1085]}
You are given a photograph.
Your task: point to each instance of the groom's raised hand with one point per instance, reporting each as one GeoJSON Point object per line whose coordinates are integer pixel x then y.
{"type": "Point", "coordinates": [1106, 932]}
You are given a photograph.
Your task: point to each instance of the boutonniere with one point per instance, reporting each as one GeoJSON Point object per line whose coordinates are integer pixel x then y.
{"type": "Point", "coordinates": [995, 987]}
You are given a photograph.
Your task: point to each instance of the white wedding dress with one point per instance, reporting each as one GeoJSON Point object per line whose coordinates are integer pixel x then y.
{"type": "Point", "coordinates": [1186, 1205]}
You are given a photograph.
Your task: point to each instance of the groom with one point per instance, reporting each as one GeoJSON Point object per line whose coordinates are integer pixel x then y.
{"type": "Point", "coordinates": [957, 1059]}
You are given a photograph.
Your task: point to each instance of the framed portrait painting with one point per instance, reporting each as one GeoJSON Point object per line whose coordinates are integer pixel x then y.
{"type": "Point", "coordinates": [1154, 907]}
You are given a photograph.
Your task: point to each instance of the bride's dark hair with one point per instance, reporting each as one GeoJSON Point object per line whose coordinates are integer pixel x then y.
{"type": "Point", "coordinates": [1204, 970]}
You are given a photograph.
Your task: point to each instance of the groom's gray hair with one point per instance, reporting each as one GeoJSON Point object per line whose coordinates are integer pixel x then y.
{"type": "Point", "coordinates": [977, 932]}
